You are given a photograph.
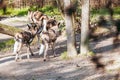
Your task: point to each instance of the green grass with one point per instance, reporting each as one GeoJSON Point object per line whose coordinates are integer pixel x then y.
{"type": "Point", "coordinates": [90, 53]}
{"type": "Point", "coordinates": [104, 12]}
{"type": "Point", "coordinates": [64, 56]}
{"type": "Point", "coordinates": [16, 11]}
{"type": "Point", "coordinates": [48, 10]}
{"type": "Point", "coordinates": [116, 10]}
{"type": "Point", "coordinates": [6, 45]}
{"type": "Point", "coordinates": [1, 12]}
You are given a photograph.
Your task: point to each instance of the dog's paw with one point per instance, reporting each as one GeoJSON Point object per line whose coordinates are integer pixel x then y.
{"type": "Point", "coordinates": [38, 48]}
{"type": "Point", "coordinates": [32, 54]}
{"type": "Point", "coordinates": [44, 60]}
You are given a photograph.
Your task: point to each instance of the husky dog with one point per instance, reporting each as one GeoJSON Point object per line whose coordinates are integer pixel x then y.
{"type": "Point", "coordinates": [49, 37]}
{"type": "Point", "coordinates": [25, 38]}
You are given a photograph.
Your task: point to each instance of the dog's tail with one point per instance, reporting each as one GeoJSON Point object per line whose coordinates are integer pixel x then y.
{"type": "Point", "coordinates": [42, 47]}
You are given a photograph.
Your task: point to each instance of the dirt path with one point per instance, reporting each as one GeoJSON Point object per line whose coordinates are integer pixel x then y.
{"type": "Point", "coordinates": [54, 69]}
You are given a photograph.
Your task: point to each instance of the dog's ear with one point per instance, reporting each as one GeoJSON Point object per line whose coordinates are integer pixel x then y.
{"type": "Point", "coordinates": [58, 24]}
{"type": "Point", "coordinates": [35, 26]}
{"type": "Point", "coordinates": [28, 26]}
{"type": "Point", "coordinates": [42, 18]}
{"type": "Point", "coordinates": [54, 17]}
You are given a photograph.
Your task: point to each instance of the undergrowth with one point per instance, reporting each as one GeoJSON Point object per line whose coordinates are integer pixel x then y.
{"type": "Point", "coordinates": [6, 45]}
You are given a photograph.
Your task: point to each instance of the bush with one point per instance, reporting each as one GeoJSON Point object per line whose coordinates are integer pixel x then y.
{"type": "Point", "coordinates": [15, 12]}
{"type": "Point", "coordinates": [50, 10]}
{"type": "Point", "coordinates": [101, 11]}
{"type": "Point", "coordinates": [116, 10]}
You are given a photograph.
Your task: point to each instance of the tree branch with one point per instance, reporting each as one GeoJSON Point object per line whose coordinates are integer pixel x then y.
{"type": "Point", "coordinates": [9, 30]}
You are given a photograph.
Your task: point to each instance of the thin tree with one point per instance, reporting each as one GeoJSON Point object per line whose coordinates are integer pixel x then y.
{"type": "Point", "coordinates": [69, 9]}
{"type": "Point", "coordinates": [84, 49]}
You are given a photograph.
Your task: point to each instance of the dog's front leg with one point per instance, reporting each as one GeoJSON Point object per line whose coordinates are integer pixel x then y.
{"type": "Point", "coordinates": [46, 49]}
{"type": "Point", "coordinates": [42, 48]}
{"type": "Point", "coordinates": [30, 50]}
{"type": "Point", "coordinates": [38, 36]}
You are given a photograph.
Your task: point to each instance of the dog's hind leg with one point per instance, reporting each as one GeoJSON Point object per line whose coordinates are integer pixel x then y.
{"type": "Point", "coordinates": [42, 48]}
{"type": "Point", "coordinates": [38, 36]}
{"type": "Point", "coordinates": [16, 45]}
{"type": "Point", "coordinates": [17, 48]}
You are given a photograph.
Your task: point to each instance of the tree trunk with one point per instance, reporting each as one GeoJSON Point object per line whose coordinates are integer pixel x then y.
{"type": "Point", "coordinates": [71, 50]}
{"type": "Point", "coordinates": [9, 30]}
{"type": "Point", "coordinates": [85, 27]}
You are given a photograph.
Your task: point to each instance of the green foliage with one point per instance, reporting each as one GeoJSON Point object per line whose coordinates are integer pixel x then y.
{"type": "Point", "coordinates": [1, 12]}
{"type": "Point", "coordinates": [116, 10]}
{"type": "Point", "coordinates": [6, 45]}
{"type": "Point", "coordinates": [91, 53]}
{"type": "Point", "coordinates": [47, 8]}
{"type": "Point", "coordinates": [104, 11]}
{"type": "Point", "coordinates": [101, 11]}
{"type": "Point", "coordinates": [50, 10]}
{"type": "Point", "coordinates": [17, 12]}
{"type": "Point", "coordinates": [65, 56]}
{"type": "Point", "coordinates": [33, 8]}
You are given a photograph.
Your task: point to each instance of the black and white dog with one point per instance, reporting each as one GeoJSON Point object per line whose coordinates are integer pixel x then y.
{"type": "Point", "coordinates": [49, 37]}
{"type": "Point", "coordinates": [25, 38]}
